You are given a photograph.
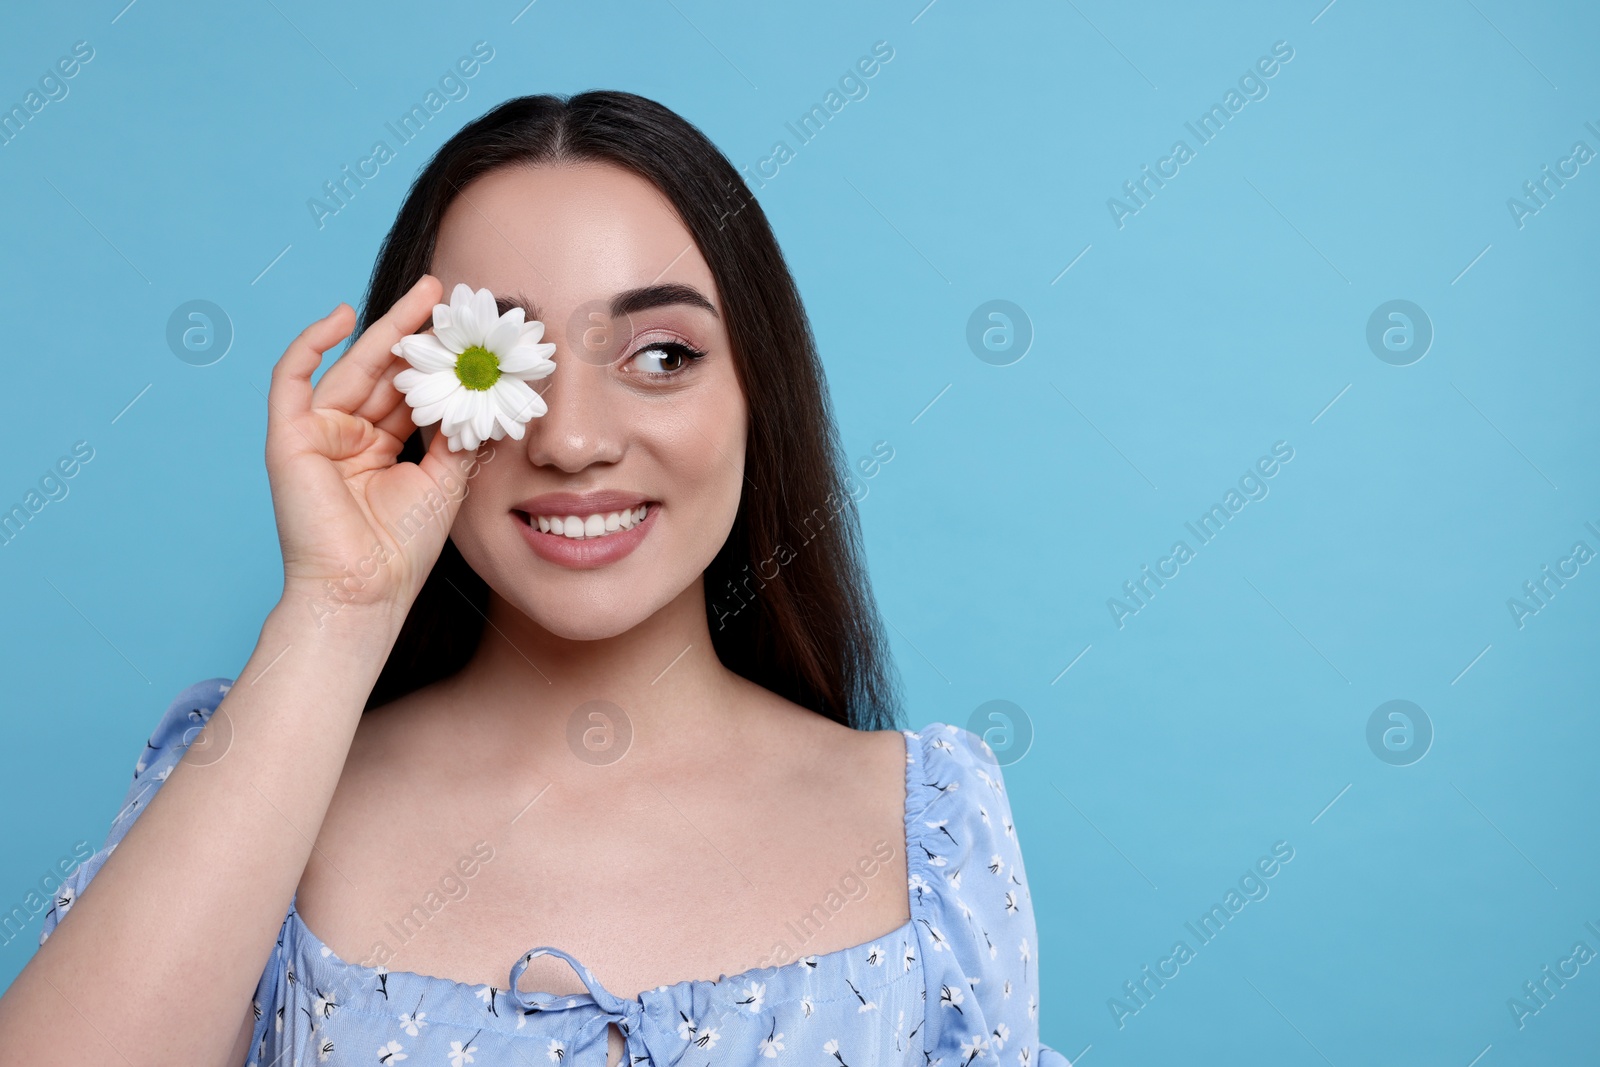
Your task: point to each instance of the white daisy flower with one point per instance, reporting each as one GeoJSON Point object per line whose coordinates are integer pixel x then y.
{"type": "Point", "coordinates": [471, 373]}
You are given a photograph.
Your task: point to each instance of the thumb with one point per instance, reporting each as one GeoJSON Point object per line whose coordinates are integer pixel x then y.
{"type": "Point", "coordinates": [451, 472]}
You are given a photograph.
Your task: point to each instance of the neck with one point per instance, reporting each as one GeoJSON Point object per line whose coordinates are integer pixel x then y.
{"type": "Point", "coordinates": [662, 678]}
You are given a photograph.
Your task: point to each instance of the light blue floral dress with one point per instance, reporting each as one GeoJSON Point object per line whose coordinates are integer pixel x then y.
{"type": "Point", "coordinates": [955, 986]}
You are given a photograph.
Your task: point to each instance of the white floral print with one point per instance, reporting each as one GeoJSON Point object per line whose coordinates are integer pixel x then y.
{"type": "Point", "coordinates": [414, 1020]}
{"type": "Point", "coordinates": [461, 1051]}
{"type": "Point", "coordinates": [754, 994]}
{"type": "Point", "coordinates": [772, 1044]}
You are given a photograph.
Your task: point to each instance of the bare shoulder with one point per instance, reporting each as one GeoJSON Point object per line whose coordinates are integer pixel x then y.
{"type": "Point", "coordinates": [858, 773]}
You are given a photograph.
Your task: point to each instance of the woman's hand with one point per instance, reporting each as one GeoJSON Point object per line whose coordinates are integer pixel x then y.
{"type": "Point", "coordinates": [347, 513]}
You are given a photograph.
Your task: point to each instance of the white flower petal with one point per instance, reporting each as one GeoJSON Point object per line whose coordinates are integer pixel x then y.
{"type": "Point", "coordinates": [539, 370]}
{"type": "Point", "coordinates": [456, 412]}
{"type": "Point", "coordinates": [426, 388]}
{"type": "Point", "coordinates": [502, 336]}
{"type": "Point", "coordinates": [483, 415]}
{"type": "Point", "coordinates": [487, 312]}
{"type": "Point", "coordinates": [457, 415]}
{"type": "Point", "coordinates": [462, 435]}
{"type": "Point", "coordinates": [524, 358]}
{"type": "Point", "coordinates": [444, 328]}
{"type": "Point", "coordinates": [514, 405]}
{"type": "Point", "coordinates": [428, 414]}
{"type": "Point", "coordinates": [536, 407]}
{"type": "Point", "coordinates": [464, 316]}
{"type": "Point", "coordinates": [451, 420]}
{"type": "Point", "coordinates": [531, 331]}
{"type": "Point", "coordinates": [424, 352]}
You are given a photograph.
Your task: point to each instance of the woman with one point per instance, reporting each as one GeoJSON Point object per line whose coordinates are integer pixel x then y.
{"type": "Point", "coordinates": [635, 711]}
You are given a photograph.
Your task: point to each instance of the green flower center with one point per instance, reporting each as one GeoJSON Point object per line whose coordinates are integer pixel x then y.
{"type": "Point", "coordinates": [477, 368]}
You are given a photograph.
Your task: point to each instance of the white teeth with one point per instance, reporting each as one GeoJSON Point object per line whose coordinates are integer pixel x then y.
{"type": "Point", "coordinates": [596, 525]}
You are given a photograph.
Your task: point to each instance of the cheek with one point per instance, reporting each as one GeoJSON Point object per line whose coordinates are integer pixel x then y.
{"type": "Point", "coordinates": [702, 449]}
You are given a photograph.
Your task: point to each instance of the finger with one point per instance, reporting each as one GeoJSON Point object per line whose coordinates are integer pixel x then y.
{"type": "Point", "coordinates": [449, 470]}
{"type": "Point", "coordinates": [398, 422]}
{"type": "Point", "coordinates": [384, 396]}
{"type": "Point", "coordinates": [290, 393]}
{"type": "Point", "coordinates": [351, 380]}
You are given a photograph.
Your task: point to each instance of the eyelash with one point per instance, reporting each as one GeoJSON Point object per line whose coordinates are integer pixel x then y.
{"type": "Point", "coordinates": [690, 354]}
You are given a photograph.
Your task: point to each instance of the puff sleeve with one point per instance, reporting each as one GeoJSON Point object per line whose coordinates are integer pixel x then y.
{"type": "Point", "coordinates": [972, 908]}
{"type": "Point", "coordinates": [178, 726]}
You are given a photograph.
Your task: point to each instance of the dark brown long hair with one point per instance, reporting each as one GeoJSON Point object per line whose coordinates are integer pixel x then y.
{"type": "Point", "coordinates": [787, 595]}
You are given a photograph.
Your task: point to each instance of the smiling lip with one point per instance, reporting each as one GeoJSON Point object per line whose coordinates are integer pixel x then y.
{"type": "Point", "coordinates": [581, 504]}
{"type": "Point", "coordinates": [588, 552]}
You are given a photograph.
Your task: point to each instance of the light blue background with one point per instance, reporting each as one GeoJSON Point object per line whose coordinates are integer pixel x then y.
{"type": "Point", "coordinates": [1223, 317]}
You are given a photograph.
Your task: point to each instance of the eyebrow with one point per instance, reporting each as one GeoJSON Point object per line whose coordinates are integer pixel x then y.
{"type": "Point", "coordinates": [626, 302]}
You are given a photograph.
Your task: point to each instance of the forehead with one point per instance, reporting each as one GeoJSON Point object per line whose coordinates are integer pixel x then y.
{"type": "Point", "coordinates": [564, 234]}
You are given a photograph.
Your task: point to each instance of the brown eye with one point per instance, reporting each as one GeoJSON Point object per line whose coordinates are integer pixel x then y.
{"type": "Point", "coordinates": [665, 359]}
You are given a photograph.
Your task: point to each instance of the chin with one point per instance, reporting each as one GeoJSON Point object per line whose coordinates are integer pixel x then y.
{"type": "Point", "coordinates": [581, 622]}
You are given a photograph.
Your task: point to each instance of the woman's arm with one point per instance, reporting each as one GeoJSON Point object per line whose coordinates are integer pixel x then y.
{"type": "Point", "coordinates": [158, 961]}
{"type": "Point", "coordinates": [159, 958]}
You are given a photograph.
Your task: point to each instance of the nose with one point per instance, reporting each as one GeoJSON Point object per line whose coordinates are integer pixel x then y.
{"type": "Point", "coordinates": [581, 424]}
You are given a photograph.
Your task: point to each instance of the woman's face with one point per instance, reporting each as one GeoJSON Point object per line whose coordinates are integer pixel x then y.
{"type": "Point", "coordinates": [632, 413]}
